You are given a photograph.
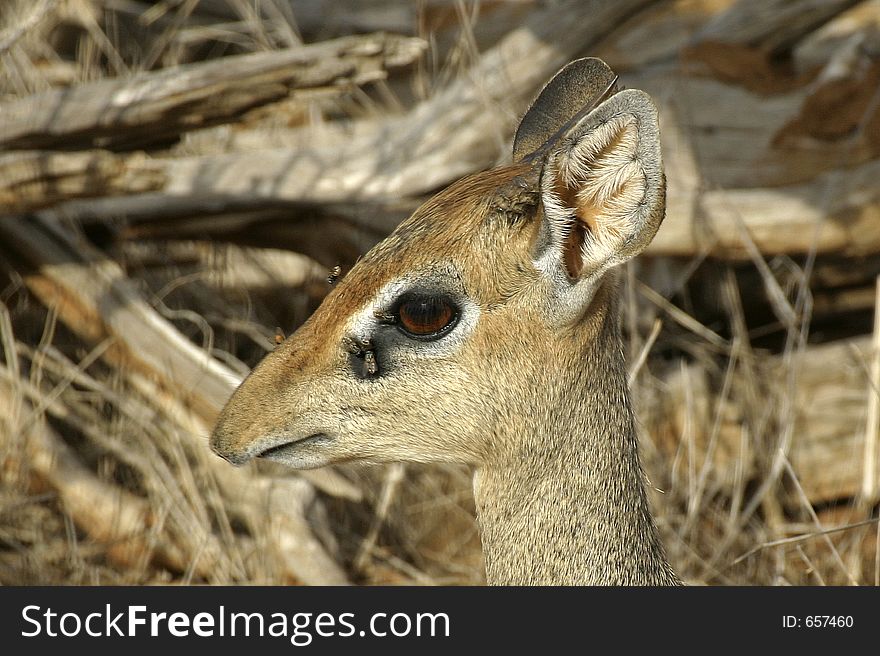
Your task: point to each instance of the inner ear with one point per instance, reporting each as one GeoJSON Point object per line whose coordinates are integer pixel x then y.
{"type": "Point", "coordinates": [597, 186]}
{"type": "Point", "coordinates": [577, 234]}
{"type": "Point", "coordinates": [606, 181]}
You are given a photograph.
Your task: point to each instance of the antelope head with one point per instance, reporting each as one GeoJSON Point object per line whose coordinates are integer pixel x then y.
{"type": "Point", "coordinates": [463, 336]}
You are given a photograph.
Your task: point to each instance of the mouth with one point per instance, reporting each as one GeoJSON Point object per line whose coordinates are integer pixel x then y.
{"type": "Point", "coordinates": [291, 453]}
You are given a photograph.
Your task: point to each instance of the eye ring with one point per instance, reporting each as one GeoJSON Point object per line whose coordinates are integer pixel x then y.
{"type": "Point", "coordinates": [425, 317]}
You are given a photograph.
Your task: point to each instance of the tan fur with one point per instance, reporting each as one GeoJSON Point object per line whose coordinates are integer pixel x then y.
{"type": "Point", "coordinates": [530, 387]}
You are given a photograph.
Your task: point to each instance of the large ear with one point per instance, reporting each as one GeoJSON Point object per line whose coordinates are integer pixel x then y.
{"type": "Point", "coordinates": [602, 189]}
{"type": "Point", "coordinates": [572, 93]}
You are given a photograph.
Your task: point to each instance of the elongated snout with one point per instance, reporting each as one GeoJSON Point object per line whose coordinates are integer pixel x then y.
{"type": "Point", "coordinates": [276, 412]}
{"type": "Point", "coordinates": [236, 435]}
{"type": "Point", "coordinates": [264, 411]}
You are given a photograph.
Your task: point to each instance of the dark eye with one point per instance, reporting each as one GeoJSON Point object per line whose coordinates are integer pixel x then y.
{"type": "Point", "coordinates": [426, 317]}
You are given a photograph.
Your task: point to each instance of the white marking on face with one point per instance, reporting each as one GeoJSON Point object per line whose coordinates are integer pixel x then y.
{"type": "Point", "coordinates": [364, 323]}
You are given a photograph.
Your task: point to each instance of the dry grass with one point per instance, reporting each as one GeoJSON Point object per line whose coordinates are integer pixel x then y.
{"type": "Point", "coordinates": [715, 383]}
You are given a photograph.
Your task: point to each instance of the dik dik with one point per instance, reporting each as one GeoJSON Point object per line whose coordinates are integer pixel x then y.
{"type": "Point", "coordinates": [485, 330]}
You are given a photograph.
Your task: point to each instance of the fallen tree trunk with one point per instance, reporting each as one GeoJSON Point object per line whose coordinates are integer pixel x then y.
{"type": "Point", "coordinates": [750, 42]}
{"type": "Point", "coordinates": [403, 156]}
{"type": "Point", "coordinates": [459, 130]}
{"type": "Point", "coordinates": [833, 214]}
{"type": "Point", "coordinates": [33, 179]}
{"type": "Point", "coordinates": [767, 191]}
{"type": "Point", "coordinates": [154, 107]}
{"type": "Point", "coordinates": [836, 213]}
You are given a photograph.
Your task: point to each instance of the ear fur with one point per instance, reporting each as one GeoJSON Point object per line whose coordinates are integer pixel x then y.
{"type": "Point", "coordinates": [602, 189]}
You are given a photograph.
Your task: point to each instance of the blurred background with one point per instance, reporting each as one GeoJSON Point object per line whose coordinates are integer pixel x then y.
{"type": "Point", "coordinates": [179, 178]}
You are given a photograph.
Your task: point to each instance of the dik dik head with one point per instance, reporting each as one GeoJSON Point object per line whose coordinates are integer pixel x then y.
{"type": "Point", "coordinates": [472, 320]}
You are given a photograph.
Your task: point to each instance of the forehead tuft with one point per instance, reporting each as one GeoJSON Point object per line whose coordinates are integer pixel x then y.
{"type": "Point", "coordinates": [469, 222]}
{"type": "Point", "coordinates": [463, 212]}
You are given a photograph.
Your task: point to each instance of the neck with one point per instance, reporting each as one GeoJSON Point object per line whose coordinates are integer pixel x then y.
{"type": "Point", "coordinates": [568, 506]}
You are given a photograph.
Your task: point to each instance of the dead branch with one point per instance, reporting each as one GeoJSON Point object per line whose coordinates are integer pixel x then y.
{"type": "Point", "coordinates": [747, 42]}
{"type": "Point", "coordinates": [459, 130]}
{"type": "Point", "coordinates": [33, 179]}
{"type": "Point", "coordinates": [835, 213]}
{"type": "Point", "coordinates": [158, 106]}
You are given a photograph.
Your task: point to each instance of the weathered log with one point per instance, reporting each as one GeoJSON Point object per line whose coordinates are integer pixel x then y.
{"type": "Point", "coordinates": [838, 212]}
{"type": "Point", "coordinates": [719, 135]}
{"type": "Point", "coordinates": [840, 118]}
{"type": "Point", "coordinates": [783, 198]}
{"type": "Point", "coordinates": [411, 155]}
{"type": "Point", "coordinates": [462, 128]}
{"type": "Point", "coordinates": [387, 161]}
{"type": "Point", "coordinates": [751, 42]}
{"type": "Point", "coordinates": [157, 106]}
{"type": "Point", "coordinates": [30, 180]}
